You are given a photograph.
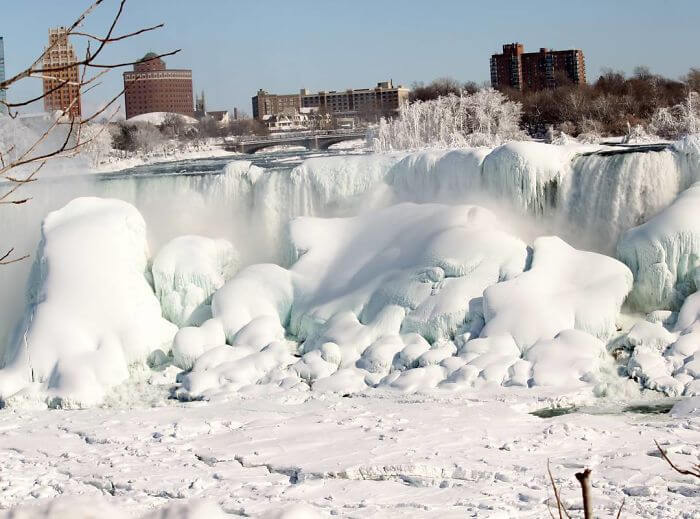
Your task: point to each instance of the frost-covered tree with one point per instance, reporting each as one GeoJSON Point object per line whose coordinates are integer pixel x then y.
{"type": "Point", "coordinates": [484, 118]}
{"type": "Point", "coordinates": [679, 120]}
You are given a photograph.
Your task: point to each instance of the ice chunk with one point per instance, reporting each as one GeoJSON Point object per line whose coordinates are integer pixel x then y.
{"type": "Point", "coordinates": [186, 272]}
{"type": "Point", "coordinates": [229, 368]}
{"type": "Point", "coordinates": [90, 310]}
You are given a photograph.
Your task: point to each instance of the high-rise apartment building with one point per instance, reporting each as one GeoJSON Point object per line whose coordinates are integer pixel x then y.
{"type": "Point", "coordinates": [384, 99]}
{"type": "Point", "coordinates": [2, 74]}
{"type": "Point", "coordinates": [515, 68]}
{"type": "Point", "coordinates": [151, 87]}
{"type": "Point", "coordinates": [61, 87]}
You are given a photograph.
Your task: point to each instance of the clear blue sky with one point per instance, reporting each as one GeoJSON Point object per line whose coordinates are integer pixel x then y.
{"type": "Point", "coordinates": [235, 47]}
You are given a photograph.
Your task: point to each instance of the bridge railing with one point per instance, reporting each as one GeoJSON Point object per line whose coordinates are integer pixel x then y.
{"type": "Point", "coordinates": [291, 136]}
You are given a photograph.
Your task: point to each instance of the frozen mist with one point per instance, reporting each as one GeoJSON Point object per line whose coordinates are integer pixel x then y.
{"type": "Point", "coordinates": [355, 334]}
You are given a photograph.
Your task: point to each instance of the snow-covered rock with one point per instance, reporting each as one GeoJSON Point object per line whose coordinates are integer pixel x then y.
{"type": "Point", "coordinates": [90, 310]}
{"type": "Point", "coordinates": [186, 272]}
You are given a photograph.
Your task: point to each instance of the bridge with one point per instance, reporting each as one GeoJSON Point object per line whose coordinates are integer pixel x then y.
{"type": "Point", "coordinates": [316, 141]}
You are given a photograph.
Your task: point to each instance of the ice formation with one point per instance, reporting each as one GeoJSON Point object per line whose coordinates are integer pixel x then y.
{"type": "Point", "coordinates": [668, 361]}
{"type": "Point", "coordinates": [367, 288]}
{"type": "Point", "coordinates": [90, 310]}
{"type": "Point", "coordinates": [186, 272]}
{"type": "Point", "coordinates": [664, 253]}
{"type": "Point", "coordinates": [528, 174]}
{"type": "Point", "coordinates": [413, 297]}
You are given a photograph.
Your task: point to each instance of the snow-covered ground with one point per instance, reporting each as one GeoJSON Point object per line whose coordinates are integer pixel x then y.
{"type": "Point", "coordinates": [375, 455]}
{"type": "Point", "coordinates": [361, 335]}
{"type": "Point", "coordinates": [209, 148]}
{"type": "Point", "coordinates": [158, 118]}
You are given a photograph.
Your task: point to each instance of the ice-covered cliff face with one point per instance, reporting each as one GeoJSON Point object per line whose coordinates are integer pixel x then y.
{"type": "Point", "coordinates": [587, 197]}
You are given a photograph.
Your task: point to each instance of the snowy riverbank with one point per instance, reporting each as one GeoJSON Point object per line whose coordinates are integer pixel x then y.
{"type": "Point", "coordinates": [376, 456]}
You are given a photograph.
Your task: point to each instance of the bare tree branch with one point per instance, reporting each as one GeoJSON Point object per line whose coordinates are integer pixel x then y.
{"type": "Point", "coordinates": [119, 38]}
{"type": "Point", "coordinates": [5, 261]}
{"type": "Point", "coordinates": [584, 478]}
{"type": "Point", "coordinates": [74, 140]}
{"type": "Point", "coordinates": [560, 506]}
{"type": "Point", "coordinates": [619, 512]}
{"type": "Point", "coordinates": [694, 471]}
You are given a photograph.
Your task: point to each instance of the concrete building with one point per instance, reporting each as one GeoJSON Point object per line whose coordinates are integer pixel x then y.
{"type": "Point", "coordinates": [3, 96]}
{"type": "Point", "coordinates": [383, 100]}
{"type": "Point", "coordinates": [515, 68]}
{"type": "Point", "coordinates": [62, 90]}
{"type": "Point", "coordinates": [265, 103]}
{"type": "Point", "coordinates": [367, 103]}
{"type": "Point", "coordinates": [151, 87]}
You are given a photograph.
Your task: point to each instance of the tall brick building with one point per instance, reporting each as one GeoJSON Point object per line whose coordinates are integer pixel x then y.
{"type": "Point", "coordinates": [515, 68]}
{"type": "Point", "coordinates": [151, 87]}
{"type": "Point", "coordinates": [61, 53]}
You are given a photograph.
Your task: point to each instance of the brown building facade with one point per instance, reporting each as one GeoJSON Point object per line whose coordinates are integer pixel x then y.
{"type": "Point", "coordinates": [62, 90]}
{"type": "Point", "coordinates": [265, 103]}
{"type": "Point", "coordinates": [151, 87]}
{"type": "Point", "coordinates": [515, 68]}
{"type": "Point", "coordinates": [384, 99]}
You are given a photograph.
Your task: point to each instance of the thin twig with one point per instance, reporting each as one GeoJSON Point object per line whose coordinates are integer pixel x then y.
{"type": "Point", "coordinates": [619, 512]}
{"type": "Point", "coordinates": [560, 507]}
{"type": "Point", "coordinates": [695, 471]}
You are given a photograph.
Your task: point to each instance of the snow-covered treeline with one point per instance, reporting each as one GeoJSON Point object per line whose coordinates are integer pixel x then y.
{"type": "Point", "coordinates": [485, 118]}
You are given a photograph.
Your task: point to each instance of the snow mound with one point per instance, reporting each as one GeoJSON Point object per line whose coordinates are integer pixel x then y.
{"type": "Point", "coordinates": [186, 272]}
{"type": "Point", "coordinates": [564, 289]}
{"type": "Point", "coordinates": [664, 254]}
{"type": "Point", "coordinates": [157, 118]}
{"type": "Point", "coordinates": [90, 310]}
{"type": "Point", "coordinates": [398, 298]}
{"type": "Point", "coordinates": [428, 260]}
